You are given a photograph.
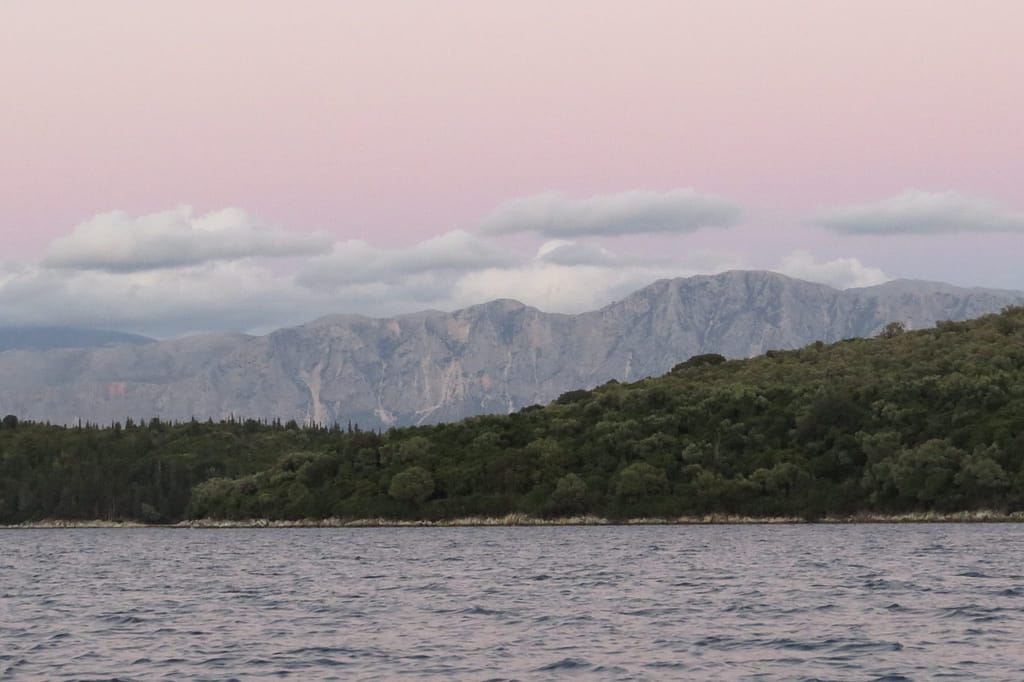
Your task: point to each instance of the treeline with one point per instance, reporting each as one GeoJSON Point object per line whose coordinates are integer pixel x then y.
{"type": "Point", "coordinates": [930, 420]}
{"type": "Point", "coordinates": [143, 471]}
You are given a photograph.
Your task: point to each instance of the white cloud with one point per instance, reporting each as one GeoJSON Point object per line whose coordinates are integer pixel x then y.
{"type": "Point", "coordinates": [177, 273]}
{"type": "Point", "coordinates": [555, 288]}
{"type": "Point", "coordinates": [235, 296]}
{"type": "Point", "coordinates": [841, 273]}
{"type": "Point", "coordinates": [118, 242]}
{"type": "Point", "coordinates": [554, 215]}
{"type": "Point", "coordinates": [576, 286]}
{"type": "Point", "coordinates": [458, 269]}
{"type": "Point", "coordinates": [564, 252]}
{"type": "Point", "coordinates": [356, 261]}
{"type": "Point", "coordinates": [917, 212]}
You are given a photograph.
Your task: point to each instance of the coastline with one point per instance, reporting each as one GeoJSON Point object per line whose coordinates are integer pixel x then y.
{"type": "Point", "coordinates": [523, 520]}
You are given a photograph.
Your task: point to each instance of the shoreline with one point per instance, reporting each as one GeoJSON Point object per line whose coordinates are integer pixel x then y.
{"type": "Point", "coordinates": [523, 520]}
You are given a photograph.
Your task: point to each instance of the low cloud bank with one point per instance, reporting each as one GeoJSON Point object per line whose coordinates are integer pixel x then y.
{"type": "Point", "coordinates": [172, 273]}
{"type": "Point", "coordinates": [553, 214]}
{"type": "Point", "coordinates": [841, 273]}
{"type": "Point", "coordinates": [118, 242]}
{"type": "Point", "coordinates": [922, 213]}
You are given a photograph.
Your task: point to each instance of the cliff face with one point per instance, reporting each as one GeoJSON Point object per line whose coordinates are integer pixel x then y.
{"type": "Point", "coordinates": [435, 366]}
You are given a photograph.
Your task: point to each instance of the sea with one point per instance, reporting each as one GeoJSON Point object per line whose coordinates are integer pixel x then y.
{"type": "Point", "coordinates": [687, 602]}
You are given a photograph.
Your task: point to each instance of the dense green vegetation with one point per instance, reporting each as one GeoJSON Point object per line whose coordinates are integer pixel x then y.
{"type": "Point", "coordinates": [931, 420]}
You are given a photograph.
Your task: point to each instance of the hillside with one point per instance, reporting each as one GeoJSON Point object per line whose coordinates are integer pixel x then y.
{"type": "Point", "coordinates": [930, 420]}
{"type": "Point", "coordinates": [434, 366]}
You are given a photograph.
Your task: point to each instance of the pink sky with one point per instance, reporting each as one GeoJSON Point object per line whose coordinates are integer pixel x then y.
{"type": "Point", "coordinates": [395, 121]}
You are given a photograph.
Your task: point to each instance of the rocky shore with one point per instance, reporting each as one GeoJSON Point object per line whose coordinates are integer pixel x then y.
{"type": "Point", "coordinates": [523, 520]}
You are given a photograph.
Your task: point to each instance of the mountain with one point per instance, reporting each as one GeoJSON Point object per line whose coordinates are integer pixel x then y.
{"type": "Point", "coordinates": [44, 338]}
{"type": "Point", "coordinates": [436, 366]}
{"type": "Point", "coordinates": [923, 422]}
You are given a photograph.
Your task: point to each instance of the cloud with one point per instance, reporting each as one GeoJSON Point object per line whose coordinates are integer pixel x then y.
{"type": "Point", "coordinates": [581, 253]}
{"type": "Point", "coordinates": [917, 212]}
{"type": "Point", "coordinates": [841, 273]}
{"type": "Point", "coordinates": [217, 296]}
{"type": "Point", "coordinates": [564, 252]}
{"type": "Point", "coordinates": [356, 261]}
{"type": "Point", "coordinates": [575, 285]}
{"type": "Point", "coordinates": [118, 242]}
{"type": "Point", "coordinates": [249, 296]}
{"type": "Point", "coordinates": [459, 269]}
{"type": "Point", "coordinates": [241, 296]}
{"type": "Point", "coordinates": [554, 215]}
{"type": "Point", "coordinates": [555, 288]}
{"type": "Point", "coordinates": [176, 273]}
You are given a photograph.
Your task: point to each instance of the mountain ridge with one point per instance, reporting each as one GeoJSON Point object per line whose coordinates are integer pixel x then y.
{"type": "Point", "coordinates": [432, 366]}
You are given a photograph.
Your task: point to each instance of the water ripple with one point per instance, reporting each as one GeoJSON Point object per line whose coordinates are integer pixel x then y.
{"type": "Point", "coordinates": [609, 603]}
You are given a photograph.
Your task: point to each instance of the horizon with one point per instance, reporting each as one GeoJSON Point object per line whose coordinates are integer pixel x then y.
{"type": "Point", "coordinates": [264, 332]}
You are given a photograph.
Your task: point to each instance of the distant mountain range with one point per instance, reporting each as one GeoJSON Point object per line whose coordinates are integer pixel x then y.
{"type": "Point", "coordinates": [45, 338]}
{"type": "Point", "coordinates": [435, 366]}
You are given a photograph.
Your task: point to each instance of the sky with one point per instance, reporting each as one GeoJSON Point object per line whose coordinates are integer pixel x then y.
{"type": "Point", "coordinates": [179, 167]}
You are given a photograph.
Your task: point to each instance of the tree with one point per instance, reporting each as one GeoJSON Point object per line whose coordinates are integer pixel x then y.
{"type": "Point", "coordinates": [892, 330]}
{"type": "Point", "coordinates": [640, 479]}
{"type": "Point", "coordinates": [981, 478]}
{"type": "Point", "coordinates": [925, 473]}
{"type": "Point", "coordinates": [10, 422]}
{"type": "Point", "coordinates": [704, 360]}
{"type": "Point", "coordinates": [569, 495]}
{"type": "Point", "coordinates": [416, 450]}
{"type": "Point", "coordinates": [414, 484]}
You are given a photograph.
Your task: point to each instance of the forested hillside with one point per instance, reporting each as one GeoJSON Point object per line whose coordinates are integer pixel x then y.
{"type": "Point", "coordinates": [909, 421]}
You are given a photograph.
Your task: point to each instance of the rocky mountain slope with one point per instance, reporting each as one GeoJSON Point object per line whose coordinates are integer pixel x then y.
{"type": "Point", "coordinates": [437, 366]}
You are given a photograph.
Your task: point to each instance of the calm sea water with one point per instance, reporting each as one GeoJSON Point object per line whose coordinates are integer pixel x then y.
{"type": "Point", "coordinates": [630, 603]}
